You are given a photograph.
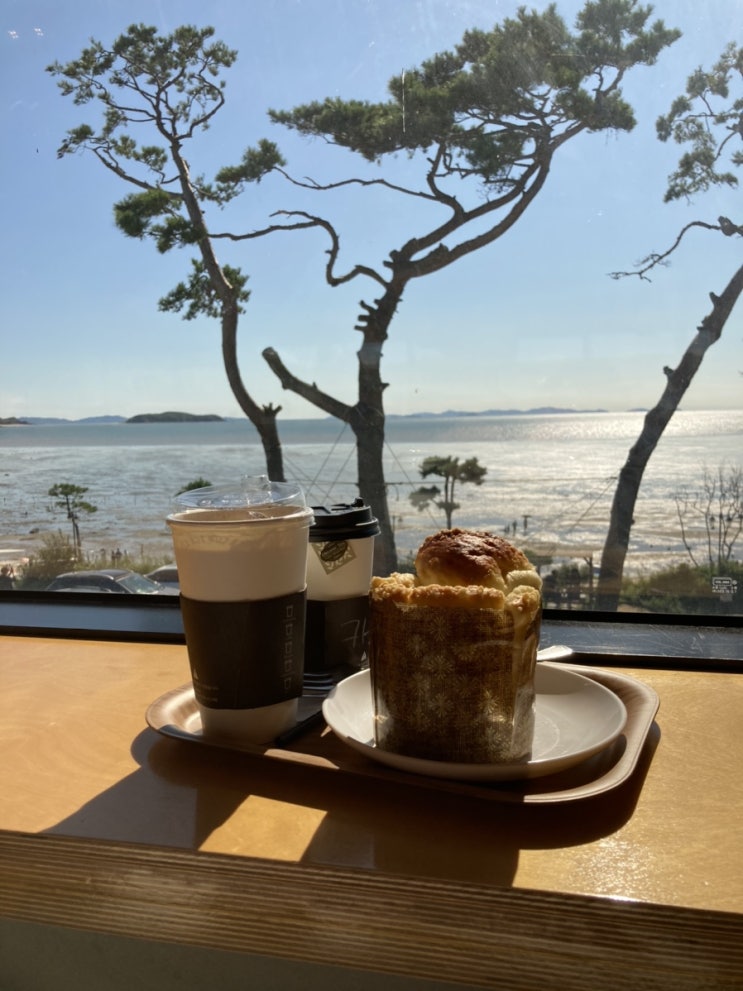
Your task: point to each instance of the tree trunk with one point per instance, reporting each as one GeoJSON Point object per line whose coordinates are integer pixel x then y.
{"type": "Point", "coordinates": [263, 418]}
{"type": "Point", "coordinates": [449, 504]}
{"type": "Point", "coordinates": [630, 477]}
{"type": "Point", "coordinates": [76, 541]}
{"type": "Point", "coordinates": [368, 422]}
{"type": "Point", "coordinates": [366, 418]}
{"type": "Point", "coordinates": [368, 427]}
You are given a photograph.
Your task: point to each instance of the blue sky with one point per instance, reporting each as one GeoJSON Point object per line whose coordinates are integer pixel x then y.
{"type": "Point", "coordinates": [532, 320]}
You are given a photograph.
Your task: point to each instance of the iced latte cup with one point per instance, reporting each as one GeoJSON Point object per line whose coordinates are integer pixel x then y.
{"type": "Point", "coordinates": [241, 553]}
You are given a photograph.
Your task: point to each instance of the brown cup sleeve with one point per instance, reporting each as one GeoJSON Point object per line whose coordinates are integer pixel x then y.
{"type": "Point", "coordinates": [245, 654]}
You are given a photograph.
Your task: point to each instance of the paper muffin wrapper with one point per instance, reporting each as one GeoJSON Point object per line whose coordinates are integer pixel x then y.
{"type": "Point", "coordinates": [453, 684]}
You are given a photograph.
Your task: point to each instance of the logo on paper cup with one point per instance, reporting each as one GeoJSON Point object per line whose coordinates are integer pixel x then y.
{"type": "Point", "coordinates": [334, 554]}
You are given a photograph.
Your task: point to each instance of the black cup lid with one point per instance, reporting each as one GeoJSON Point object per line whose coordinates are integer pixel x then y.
{"type": "Point", "coordinates": [343, 521]}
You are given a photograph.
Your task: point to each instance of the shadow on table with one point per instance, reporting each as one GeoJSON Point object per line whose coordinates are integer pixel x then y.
{"type": "Point", "coordinates": [183, 792]}
{"type": "Point", "coordinates": [178, 808]}
{"type": "Point", "coordinates": [489, 833]}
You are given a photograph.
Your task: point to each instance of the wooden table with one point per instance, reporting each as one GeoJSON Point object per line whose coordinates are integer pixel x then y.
{"type": "Point", "coordinates": [111, 828]}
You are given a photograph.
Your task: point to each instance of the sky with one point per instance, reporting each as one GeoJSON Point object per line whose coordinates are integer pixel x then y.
{"type": "Point", "coordinates": [533, 320]}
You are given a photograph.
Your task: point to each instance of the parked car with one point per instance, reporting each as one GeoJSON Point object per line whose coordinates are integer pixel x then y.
{"type": "Point", "coordinates": [115, 580]}
{"type": "Point", "coordinates": [166, 574]}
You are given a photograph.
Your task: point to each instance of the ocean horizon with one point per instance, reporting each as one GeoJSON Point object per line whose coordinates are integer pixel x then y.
{"type": "Point", "coordinates": [189, 417]}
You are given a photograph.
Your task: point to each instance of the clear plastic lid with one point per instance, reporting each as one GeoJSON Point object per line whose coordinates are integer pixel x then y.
{"type": "Point", "coordinates": [250, 490]}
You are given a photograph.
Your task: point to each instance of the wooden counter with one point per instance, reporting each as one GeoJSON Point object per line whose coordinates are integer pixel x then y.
{"type": "Point", "coordinates": [95, 802]}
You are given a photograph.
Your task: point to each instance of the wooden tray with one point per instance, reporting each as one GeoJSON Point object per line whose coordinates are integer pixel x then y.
{"type": "Point", "coordinates": [175, 714]}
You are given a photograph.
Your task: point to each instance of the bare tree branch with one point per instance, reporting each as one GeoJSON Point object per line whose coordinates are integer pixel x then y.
{"type": "Point", "coordinates": [308, 390]}
{"type": "Point", "coordinates": [656, 258]}
{"type": "Point", "coordinates": [309, 183]}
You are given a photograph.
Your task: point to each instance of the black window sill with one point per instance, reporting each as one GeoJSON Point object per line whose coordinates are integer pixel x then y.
{"type": "Point", "coordinates": [629, 639]}
{"type": "Point", "coordinates": [92, 616]}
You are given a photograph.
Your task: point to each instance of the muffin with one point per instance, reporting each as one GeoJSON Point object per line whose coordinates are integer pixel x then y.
{"type": "Point", "coordinates": [453, 651]}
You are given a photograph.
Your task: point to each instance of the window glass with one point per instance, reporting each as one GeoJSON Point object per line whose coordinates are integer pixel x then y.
{"type": "Point", "coordinates": [520, 355]}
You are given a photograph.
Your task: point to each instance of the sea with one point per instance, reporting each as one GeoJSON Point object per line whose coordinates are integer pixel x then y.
{"type": "Point", "coordinates": [549, 483]}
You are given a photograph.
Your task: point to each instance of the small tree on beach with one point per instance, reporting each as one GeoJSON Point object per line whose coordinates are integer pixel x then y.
{"type": "Point", "coordinates": [197, 483]}
{"type": "Point", "coordinates": [715, 510]}
{"type": "Point", "coordinates": [450, 469]}
{"type": "Point", "coordinates": [707, 120]}
{"type": "Point", "coordinates": [70, 498]}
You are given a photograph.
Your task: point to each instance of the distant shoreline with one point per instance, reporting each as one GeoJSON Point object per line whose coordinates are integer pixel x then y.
{"type": "Point", "coordinates": [451, 414]}
{"type": "Point", "coordinates": [176, 417]}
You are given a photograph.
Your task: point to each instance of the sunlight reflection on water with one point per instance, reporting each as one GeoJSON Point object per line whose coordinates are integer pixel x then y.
{"type": "Point", "coordinates": [550, 479]}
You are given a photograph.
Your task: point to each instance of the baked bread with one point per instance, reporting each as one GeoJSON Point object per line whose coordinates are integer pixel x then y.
{"type": "Point", "coordinates": [472, 557]}
{"type": "Point", "coordinates": [453, 651]}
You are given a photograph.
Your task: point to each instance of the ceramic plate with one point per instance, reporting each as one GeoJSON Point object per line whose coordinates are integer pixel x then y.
{"type": "Point", "coordinates": [575, 718]}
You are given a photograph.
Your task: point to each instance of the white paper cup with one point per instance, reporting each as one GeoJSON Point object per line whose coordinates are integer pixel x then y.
{"type": "Point", "coordinates": [241, 554]}
{"type": "Point", "coordinates": [339, 570]}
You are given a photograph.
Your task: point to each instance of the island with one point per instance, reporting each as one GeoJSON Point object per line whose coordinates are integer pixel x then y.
{"type": "Point", "coordinates": [173, 417]}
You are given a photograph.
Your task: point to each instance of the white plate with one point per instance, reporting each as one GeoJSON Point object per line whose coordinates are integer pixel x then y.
{"type": "Point", "coordinates": [575, 718]}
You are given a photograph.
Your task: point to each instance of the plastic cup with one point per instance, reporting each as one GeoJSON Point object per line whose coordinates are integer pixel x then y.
{"type": "Point", "coordinates": [241, 553]}
{"type": "Point", "coordinates": [339, 570]}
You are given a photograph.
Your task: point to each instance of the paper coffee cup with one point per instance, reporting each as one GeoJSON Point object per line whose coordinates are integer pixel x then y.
{"type": "Point", "coordinates": [339, 569]}
{"type": "Point", "coordinates": [241, 553]}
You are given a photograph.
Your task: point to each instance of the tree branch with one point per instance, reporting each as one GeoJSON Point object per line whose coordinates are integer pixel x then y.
{"type": "Point", "coordinates": [451, 201]}
{"type": "Point", "coordinates": [106, 158]}
{"type": "Point", "coordinates": [306, 390]}
{"type": "Point", "coordinates": [312, 184]}
{"type": "Point", "coordinates": [442, 256]}
{"type": "Point", "coordinates": [311, 221]}
{"type": "Point", "coordinates": [660, 258]}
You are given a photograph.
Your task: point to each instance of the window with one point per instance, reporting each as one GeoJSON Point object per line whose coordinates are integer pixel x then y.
{"type": "Point", "coordinates": [523, 354]}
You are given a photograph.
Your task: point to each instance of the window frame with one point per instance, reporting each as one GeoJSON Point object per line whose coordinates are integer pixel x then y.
{"type": "Point", "coordinates": [610, 639]}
